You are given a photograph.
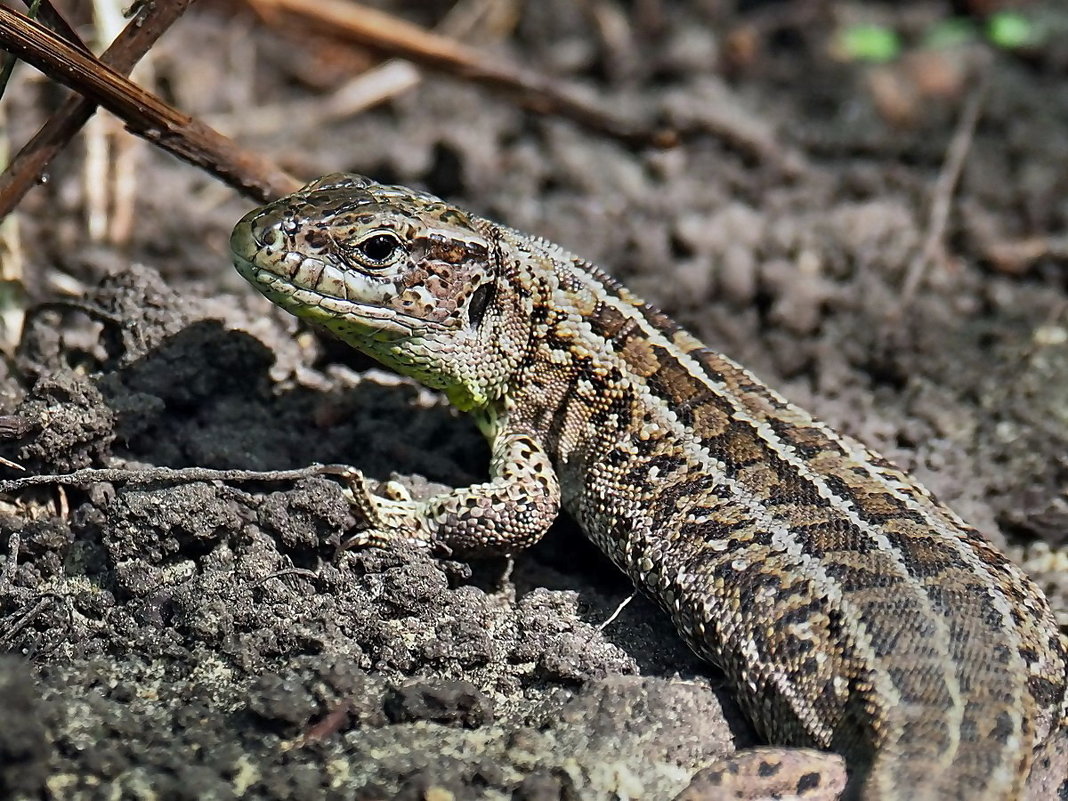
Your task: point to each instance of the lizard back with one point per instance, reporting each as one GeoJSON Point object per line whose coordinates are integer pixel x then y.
{"type": "Point", "coordinates": [848, 607]}
{"type": "Point", "coordinates": [852, 609]}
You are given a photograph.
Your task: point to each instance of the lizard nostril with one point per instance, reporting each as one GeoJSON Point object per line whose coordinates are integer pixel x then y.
{"type": "Point", "coordinates": [244, 241]}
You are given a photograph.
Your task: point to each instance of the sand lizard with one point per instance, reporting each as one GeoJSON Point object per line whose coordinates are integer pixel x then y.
{"type": "Point", "coordinates": [850, 610]}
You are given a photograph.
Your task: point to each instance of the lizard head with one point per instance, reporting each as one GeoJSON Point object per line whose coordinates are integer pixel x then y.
{"type": "Point", "coordinates": [398, 274]}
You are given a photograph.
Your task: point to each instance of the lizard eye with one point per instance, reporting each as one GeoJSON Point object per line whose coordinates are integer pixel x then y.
{"type": "Point", "coordinates": [379, 248]}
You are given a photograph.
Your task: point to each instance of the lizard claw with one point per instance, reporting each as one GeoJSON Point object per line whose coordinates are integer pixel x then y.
{"type": "Point", "coordinates": [391, 517]}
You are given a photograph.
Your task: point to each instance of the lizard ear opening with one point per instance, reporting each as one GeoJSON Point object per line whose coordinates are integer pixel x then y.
{"type": "Point", "coordinates": [480, 301]}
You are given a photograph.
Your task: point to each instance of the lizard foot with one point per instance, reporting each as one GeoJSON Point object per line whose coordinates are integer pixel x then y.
{"type": "Point", "coordinates": [391, 515]}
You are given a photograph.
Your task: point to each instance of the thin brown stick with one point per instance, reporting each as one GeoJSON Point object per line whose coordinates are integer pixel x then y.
{"type": "Point", "coordinates": [143, 113]}
{"type": "Point", "coordinates": [331, 724]}
{"type": "Point", "coordinates": [944, 188]}
{"type": "Point", "coordinates": [29, 164]}
{"type": "Point", "coordinates": [385, 33]}
{"type": "Point", "coordinates": [167, 475]}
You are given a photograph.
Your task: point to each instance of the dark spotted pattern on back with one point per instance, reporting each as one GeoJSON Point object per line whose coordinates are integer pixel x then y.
{"type": "Point", "coordinates": [729, 489]}
{"type": "Point", "coordinates": [848, 607]}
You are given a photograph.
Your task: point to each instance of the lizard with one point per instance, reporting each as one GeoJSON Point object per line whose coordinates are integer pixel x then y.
{"type": "Point", "coordinates": [849, 609]}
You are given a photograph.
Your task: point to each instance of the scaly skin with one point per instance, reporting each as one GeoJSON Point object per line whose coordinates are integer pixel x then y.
{"type": "Point", "coordinates": [850, 610]}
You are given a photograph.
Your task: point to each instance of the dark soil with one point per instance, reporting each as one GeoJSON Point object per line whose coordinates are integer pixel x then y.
{"type": "Point", "coordinates": [206, 640]}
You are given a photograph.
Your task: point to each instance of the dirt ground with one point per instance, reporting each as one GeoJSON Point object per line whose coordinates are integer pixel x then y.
{"type": "Point", "coordinates": [205, 640]}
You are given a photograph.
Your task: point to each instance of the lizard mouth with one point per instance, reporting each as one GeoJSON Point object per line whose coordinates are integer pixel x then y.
{"type": "Point", "coordinates": [297, 291]}
{"type": "Point", "coordinates": [345, 317]}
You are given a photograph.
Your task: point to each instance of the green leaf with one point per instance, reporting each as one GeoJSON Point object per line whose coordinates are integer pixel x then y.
{"type": "Point", "coordinates": [869, 43]}
{"type": "Point", "coordinates": [1011, 30]}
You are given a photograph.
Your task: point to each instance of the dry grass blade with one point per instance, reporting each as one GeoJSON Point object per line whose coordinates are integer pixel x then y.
{"type": "Point", "coordinates": [143, 113]}
{"type": "Point", "coordinates": [387, 34]}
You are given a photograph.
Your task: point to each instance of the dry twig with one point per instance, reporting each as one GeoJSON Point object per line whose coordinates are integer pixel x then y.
{"type": "Point", "coordinates": [27, 167]}
{"type": "Point", "coordinates": [166, 475]}
{"type": "Point", "coordinates": [944, 188]}
{"type": "Point", "coordinates": [144, 114]}
{"type": "Point", "coordinates": [385, 33]}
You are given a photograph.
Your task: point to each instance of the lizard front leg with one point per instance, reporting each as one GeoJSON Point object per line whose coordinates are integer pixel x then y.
{"type": "Point", "coordinates": [506, 514]}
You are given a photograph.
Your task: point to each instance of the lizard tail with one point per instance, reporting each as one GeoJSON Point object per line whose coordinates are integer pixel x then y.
{"type": "Point", "coordinates": [969, 768]}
